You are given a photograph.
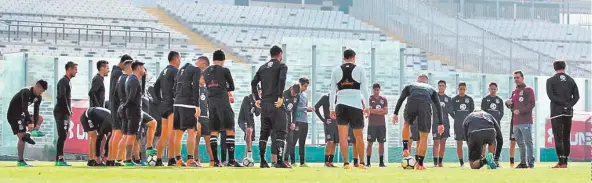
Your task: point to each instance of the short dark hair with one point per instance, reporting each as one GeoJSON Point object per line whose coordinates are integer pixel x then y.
{"type": "Point", "coordinates": [442, 81]}
{"type": "Point", "coordinates": [296, 88]}
{"type": "Point", "coordinates": [275, 51]}
{"type": "Point", "coordinates": [42, 83]}
{"type": "Point", "coordinates": [137, 64]}
{"type": "Point", "coordinates": [304, 80]}
{"type": "Point", "coordinates": [172, 55]}
{"type": "Point", "coordinates": [349, 53]}
{"type": "Point", "coordinates": [218, 55]}
{"type": "Point", "coordinates": [462, 83]}
{"type": "Point", "coordinates": [124, 58]}
{"type": "Point", "coordinates": [559, 65]}
{"type": "Point", "coordinates": [375, 85]}
{"type": "Point", "coordinates": [519, 72]}
{"type": "Point", "coordinates": [493, 84]}
{"type": "Point", "coordinates": [205, 59]}
{"type": "Point", "coordinates": [70, 65]}
{"type": "Point", "coordinates": [127, 62]}
{"type": "Point", "coordinates": [101, 63]}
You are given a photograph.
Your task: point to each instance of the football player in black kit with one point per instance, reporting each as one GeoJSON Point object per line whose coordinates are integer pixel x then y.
{"type": "Point", "coordinates": [116, 133]}
{"type": "Point", "coordinates": [203, 128]}
{"type": "Point", "coordinates": [187, 110]}
{"type": "Point", "coordinates": [63, 110]}
{"type": "Point", "coordinates": [96, 122]}
{"type": "Point", "coordinates": [480, 129]}
{"type": "Point", "coordinates": [219, 82]}
{"type": "Point", "coordinates": [246, 121]}
{"type": "Point", "coordinates": [164, 89]}
{"type": "Point", "coordinates": [462, 105]}
{"type": "Point", "coordinates": [20, 119]}
{"type": "Point", "coordinates": [121, 96]}
{"type": "Point", "coordinates": [290, 104]}
{"type": "Point", "coordinates": [272, 76]}
{"type": "Point", "coordinates": [439, 146]}
{"type": "Point", "coordinates": [132, 107]}
{"type": "Point", "coordinates": [494, 105]}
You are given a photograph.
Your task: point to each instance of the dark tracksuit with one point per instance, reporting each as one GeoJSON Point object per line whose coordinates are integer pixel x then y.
{"type": "Point", "coordinates": [494, 105]}
{"type": "Point", "coordinates": [446, 105]}
{"type": "Point", "coordinates": [18, 115]}
{"type": "Point", "coordinates": [133, 104]}
{"type": "Point", "coordinates": [563, 92]}
{"type": "Point", "coordinates": [246, 115]}
{"type": "Point", "coordinates": [290, 105]}
{"type": "Point", "coordinates": [463, 106]}
{"type": "Point", "coordinates": [272, 76]}
{"type": "Point", "coordinates": [481, 128]}
{"type": "Point", "coordinates": [219, 82]}
{"type": "Point", "coordinates": [186, 97]}
{"type": "Point", "coordinates": [204, 119]}
{"type": "Point", "coordinates": [116, 72]}
{"type": "Point", "coordinates": [164, 90]}
{"type": "Point", "coordinates": [419, 105]}
{"type": "Point", "coordinates": [121, 95]}
{"type": "Point", "coordinates": [96, 93]}
{"type": "Point", "coordinates": [62, 113]}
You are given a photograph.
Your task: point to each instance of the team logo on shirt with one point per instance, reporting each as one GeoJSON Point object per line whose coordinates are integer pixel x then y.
{"type": "Point", "coordinates": [378, 107]}
{"type": "Point", "coordinates": [34, 99]}
{"type": "Point", "coordinates": [20, 124]}
{"type": "Point", "coordinates": [562, 78]}
{"type": "Point", "coordinates": [522, 92]}
{"type": "Point", "coordinates": [202, 97]}
{"type": "Point", "coordinates": [269, 64]}
{"type": "Point", "coordinates": [466, 100]}
{"type": "Point", "coordinates": [445, 99]}
{"type": "Point", "coordinates": [90, 124]}
{"type": "Point", "coordinates": [381, 102]}
{"type": "Point", "coordinates": [497, 101]}
{"type": "Point", "coordinates": [493, 106]}
{"type": "Point", "coordinates": [521, 99]}
{"type": "Point", "coordinates": [463, 107]}
{"type": "Point", "coordinates": [290, 105]}
{"type": "Point", "coordinates": [442, 104]}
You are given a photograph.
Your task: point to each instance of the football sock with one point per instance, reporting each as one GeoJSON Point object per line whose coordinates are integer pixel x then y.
{"type": "Point", "coordinates": [214, 147]}
{"type": "Point", "coordinates": [381, 159]}
{"type": "Point", "coordinates": [512, 160]}
{"type": "Point", "coordinates": [355, 161]}
{"type": "Point", "coordinates": [405, 144]}
{"type": "Point", "coordinates": [436, 160]}
{"type": "Point", "coordinates": [419, 160]}
{"type": "Point", "coordinates": [440, 160]}
{"type": "Point", "coordinates": [230, 147]}
{"type": "Point", "coordinates": [462, 162]}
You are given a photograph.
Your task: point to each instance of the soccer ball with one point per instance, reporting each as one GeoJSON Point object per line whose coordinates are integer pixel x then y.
{"type": "Point", "coordinates": [248, 162]}
{"type": "Point", "coordinates": [408, 163]}
{"type": "Point", "coordinates": [151, 160]}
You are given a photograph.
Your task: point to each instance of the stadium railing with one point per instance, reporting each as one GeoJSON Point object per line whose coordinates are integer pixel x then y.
{"type": "Point", "coordinates": [383, 63]}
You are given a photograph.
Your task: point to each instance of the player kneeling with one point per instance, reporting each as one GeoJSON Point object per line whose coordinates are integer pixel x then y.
{"type": "Point", "coordinates": [481, 129]}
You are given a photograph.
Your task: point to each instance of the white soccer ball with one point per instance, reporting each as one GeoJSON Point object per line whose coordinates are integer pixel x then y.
{"type": "Point", "coordinates": [151, 160]}
{"type": "Point", "coordinates": [408, 162]}
{"type": "Point", "coordinates": [248, 162]}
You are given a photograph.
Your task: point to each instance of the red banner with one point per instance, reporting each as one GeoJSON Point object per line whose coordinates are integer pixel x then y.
{"type": "Point", "coordinates": [580, 137]}
{"type": "Point", "coordinates": [77, 141]}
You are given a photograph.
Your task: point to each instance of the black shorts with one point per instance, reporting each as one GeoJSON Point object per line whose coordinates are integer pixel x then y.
{"type": "Point", "coordinates": [437, 135]}
{"type": "Point", "coordinates": [133, 120]}
{"type": "Point", "coordinates": [420, 112]}
{"type": "Point", "coordinates": [116, 120]}
{"type": "Point", "coordinates": [166, 109]}
{"type": "Point", "coordinates": [204, 124]}
{"type": "Point", "coordinates": [351, 116]}
{"type": "Point", "coordinates": [273, 120]}
{"type": "Point", "coordinates": [377, 133]}
{"type": "Point", "coordinates": [146, 118]}
{"type": "Point", "coordinates": [221, 115]}
{"type": "Point", "coordinates": [414, 132]}
{"type": "Point", "coordinates": [122, 118]}
{"type": "Point", "coordinates": [18, 125]}
{"type": "Point", "coordinates": [512, 138]}
{"type": "Point", "coordinates": [89, 125]}
{"type": "Point", "coordinates": [476, 142]}
{"type": "Point", "coordinates": [331, 132]}
{"type": "Point", "coordinates": [459, 132]}
{"type": "Point", "coordinates": [184, 118]}
{"type": "Point", "coordinates": [351, 139]}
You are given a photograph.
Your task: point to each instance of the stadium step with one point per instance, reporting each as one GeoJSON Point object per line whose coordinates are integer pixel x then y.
{"type": "Point", "coordinates": [194, 38]}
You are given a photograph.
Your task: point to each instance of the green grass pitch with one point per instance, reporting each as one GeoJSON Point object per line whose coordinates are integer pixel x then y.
{"type": "Point", "coordinates": [45, 172]}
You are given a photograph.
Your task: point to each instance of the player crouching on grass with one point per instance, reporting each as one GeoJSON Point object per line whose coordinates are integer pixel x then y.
{"type": "Point", "coordinates": [421, 95]}
{"type": "Point", "coordinates": [96, 122]}
{"type": "Point", "coordinates": [20, 119]}
{"type": "Point", "coordinates": [481, 129]}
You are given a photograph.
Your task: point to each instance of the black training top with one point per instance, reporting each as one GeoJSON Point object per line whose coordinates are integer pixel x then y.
{"type": "Point", "coordinates": [153, 108]}
{"type": "Point", "coordinates": [479, 121]}
{"type": "Point", "coordinates": [446, 106]}
{"type": "Point", "coordinates": [96, 93]}
{"type": "Point", "coordinates": [462, 106]}
{"type": "Point", "coordinates": [347, 81]}
{"type": "Point", "coordinates": [248, 110]}
{"type": "Point", "coordinates": [493, 105]}
{"type": "Point", "coordinates": [272, 76]}
{"type": "Point", "coordinates": [563, 92]}
{"type": "Point", "coordinates": [63, 107]}
{"type": "Point", "coordinates": [116, 72]}
{"type": "Point", "coordinates": [290, 105]}
{"type": "Point", "coordinates": [133, 104]}
{"type": "Point", "coordinates": [203, 101]}
{"type": "Point", "coordinates": [19, 105]}
{"type": "Point", "coordinates": [164, 86]}
{"type": "Point", "coordinates": [219, 81]}
{"type": "Point", "coordinates": [323, 102]}
{"type": "Point", "coordinates": [98, 114]}
{"type": "Point", "coordinates": [121, 95]}
{"type": "Point", "coordinates": [420, 93]}
{"type": "Point", "coordinates": [187, 86]}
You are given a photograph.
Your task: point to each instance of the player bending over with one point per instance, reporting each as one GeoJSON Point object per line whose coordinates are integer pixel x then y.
{"type": "Point", "coordinates": [421, 95]}
{"type": "Point", "coordinates": [96, 122]}
{"type": "Point", "coordinates": [480, 129]}
{"type": "Point", "coordinates": [246, 121]}
{"type": "Point", "coordinates": [20, 119]}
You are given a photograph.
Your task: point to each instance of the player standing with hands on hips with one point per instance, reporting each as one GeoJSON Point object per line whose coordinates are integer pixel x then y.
{"type": "Point", "coordinates": [563, 93]}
